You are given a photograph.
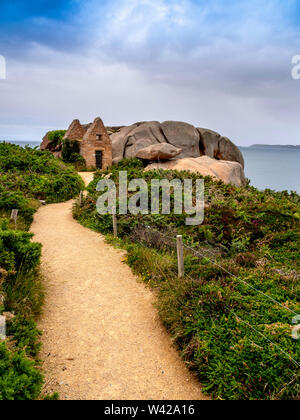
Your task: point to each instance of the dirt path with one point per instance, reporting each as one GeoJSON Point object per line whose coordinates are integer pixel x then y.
{"type": "Point", "coordinates": [102, 336]}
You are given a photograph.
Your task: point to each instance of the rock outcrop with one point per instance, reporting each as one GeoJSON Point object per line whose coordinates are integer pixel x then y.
{"type": "Point", "coordinates": [46, 143]}
{"type": "Point", "coordinates": [183, 136]}
{"type": "Point", "coordinates": [226, 171]}
{"type": "Point", "coordinates": [142, 135]}
{"type": "Point", "coordinates": [158, 152]}
{"type": "Point", "coordinates": [193, 142]}
{"type": "Point", "coordinates": [196, 149]}
{"type": "Point", "coordinates": [215, 146]}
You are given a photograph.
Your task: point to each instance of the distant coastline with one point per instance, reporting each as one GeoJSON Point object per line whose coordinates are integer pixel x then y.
{"type": "Point", "coordinates": [19, 141]}
{"type": "Point", "coordinates": [23, 143]}
{"type": "Point", "coordinates": [271, 146]}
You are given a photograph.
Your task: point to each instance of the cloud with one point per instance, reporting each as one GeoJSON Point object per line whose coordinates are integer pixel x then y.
{"type": "Point", "coordinates": [221, 64]}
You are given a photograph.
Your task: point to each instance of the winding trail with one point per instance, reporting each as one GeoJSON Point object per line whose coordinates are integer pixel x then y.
{"type": "Point", "coordinates": [102, 338]}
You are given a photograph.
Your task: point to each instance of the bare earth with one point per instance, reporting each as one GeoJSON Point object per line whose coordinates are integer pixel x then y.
{"type": "Point", "coordinates": [102, 338]}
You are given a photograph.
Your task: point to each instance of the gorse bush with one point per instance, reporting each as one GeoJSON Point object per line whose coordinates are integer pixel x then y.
{"type": "Point", "coordinates": [19, 379]}
{"type": "Point", "coordinates": [71, 148]}
{"type": "Point", "coordinates": [222, 324]}
{"type": "Point", "coordinates": [56, 137]}
{"type": "Point", "coordinates": [22, 289]}
{"type": "Point", "coordinates": [26, 176]}
{"type": "Point", "coordinates": [36, 174]}
{"type": "Point", "coordinates": [16, 250]}
{"type": "Point", "coordinates": [71, 154]}
{"type": "Point", "coordinates": [15, 200]}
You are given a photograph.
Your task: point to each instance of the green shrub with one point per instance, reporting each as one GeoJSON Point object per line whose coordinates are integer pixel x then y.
{"type": "Point", "coordinates": [56, 137]}
{"type": "Point", "coordinates": [18, 250]}
{"type": "Point", "coordinates": [26, 176]}
{"type": "Point", "coordinates": [24, 292]}
{"type": "Point", "coordinates": [26, 335]}
{"type": "Point", "coordinates": [22, 288]}
{"type": "Point", "coordinates": [247, 234]}
{"type": "Point", "coordinates": [70, 150]}
{"type": "Point", "coordinates": [19, 379]}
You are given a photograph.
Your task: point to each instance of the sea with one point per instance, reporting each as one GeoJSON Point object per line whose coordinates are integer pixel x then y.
{"type": "Point", "coordinates": [272, 168]}
{"type": "Point", "coordinates": [276, 169]}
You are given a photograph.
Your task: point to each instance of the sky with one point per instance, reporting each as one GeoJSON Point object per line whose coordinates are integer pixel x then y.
{"type": "Point", "coordinates": [220, 64]}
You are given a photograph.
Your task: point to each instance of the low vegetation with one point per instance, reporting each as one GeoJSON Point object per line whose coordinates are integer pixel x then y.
{"type": "Point", "coordinates": [56, 137]}
{"type": "Point", "coordinates": [228, 330]}
{"type": "Point", "coordinates": [70, 149]}
{"type": "Point", "coordinates": [71, 154]}
{"type": "Point", "coordinates": [26, 176]}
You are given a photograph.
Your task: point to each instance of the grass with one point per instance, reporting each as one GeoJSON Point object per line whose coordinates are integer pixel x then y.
{"type": "Point", "coordinates": [221, 326]}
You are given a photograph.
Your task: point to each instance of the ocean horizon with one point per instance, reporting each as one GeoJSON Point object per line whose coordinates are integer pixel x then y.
{"type": "Point", "coordinates": [277, 169]}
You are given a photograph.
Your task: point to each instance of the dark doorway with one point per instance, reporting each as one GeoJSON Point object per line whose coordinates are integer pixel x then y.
{"type": "Point", "coordinates": [99, 158]}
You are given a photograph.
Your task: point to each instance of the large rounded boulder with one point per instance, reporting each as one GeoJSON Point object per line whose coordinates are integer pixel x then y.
{"type": "Point", "coordinates": [159, 152]}
{"type": "Point", "coordinates": [226, 171]}
{"type": "Point", "coordinates": [183, 136]}
{"type": "Point", "coordinates": [212, 144]}
{"type": "Point", "coordinates": [128, 142]}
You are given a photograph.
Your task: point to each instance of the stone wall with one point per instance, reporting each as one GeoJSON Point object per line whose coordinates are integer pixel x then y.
{"type": "Point", "coordinates": [75, 132]}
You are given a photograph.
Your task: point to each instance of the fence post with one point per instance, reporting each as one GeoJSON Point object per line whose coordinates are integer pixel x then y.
{"type": "Point", "coordinates": [2, 327]}
{"type": "Point", "coordinates": [80, 198]}
{"type": "Point", "coordinates": [180, 256]}
{"type": "Point", "coordinates": [115, 225]}
{"type": "Point", "coordinates": [14, 216]}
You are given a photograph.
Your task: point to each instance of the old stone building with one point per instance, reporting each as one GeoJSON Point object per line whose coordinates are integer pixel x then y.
{"type": "Point", "coordinates": [95, 143]}
{"type": "Point", "coordinates": [96, 146]}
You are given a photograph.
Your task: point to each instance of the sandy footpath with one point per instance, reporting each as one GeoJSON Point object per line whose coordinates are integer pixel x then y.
{"type": "Point", "coordinates": [102, 338]}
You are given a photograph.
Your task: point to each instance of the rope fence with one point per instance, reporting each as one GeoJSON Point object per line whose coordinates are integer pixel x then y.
{"type": "Point", "coordinates": [180, 246]}
{"type": "Point", "coordinates": [177, 243]}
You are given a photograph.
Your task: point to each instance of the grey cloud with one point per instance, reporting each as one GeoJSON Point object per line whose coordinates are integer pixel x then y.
{"type": "Point", "coordinates": [229, 75]}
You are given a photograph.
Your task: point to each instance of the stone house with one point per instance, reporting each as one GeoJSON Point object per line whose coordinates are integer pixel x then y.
{"type": "Point", "coordinates": [95, 143]}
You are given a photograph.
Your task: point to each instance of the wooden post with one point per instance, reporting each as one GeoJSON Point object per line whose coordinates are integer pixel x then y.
{"type": "Point", "coordinates": [80, 198]}
{"type": "Point", "coordinates": [115, 225]}
{"type": "Point", "coordinates": [14, 216]}
{"type": "Point", "coordinates": [2, 327]}
{"type": "Point", "coordinates": [180, 257]}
